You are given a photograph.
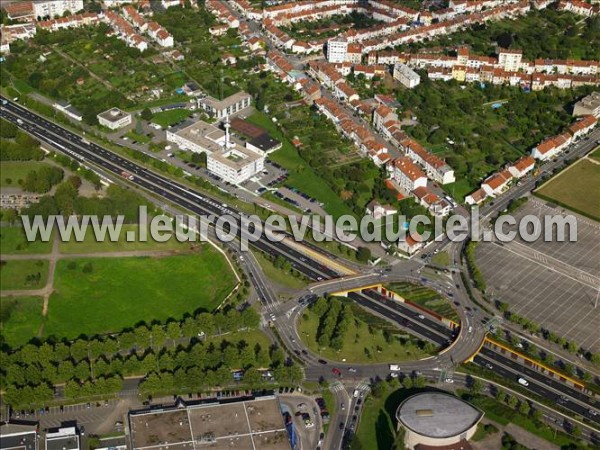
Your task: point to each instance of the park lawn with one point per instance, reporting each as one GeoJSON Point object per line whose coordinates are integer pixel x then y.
{"type": "Point", "coordinates": [459, 189]}
{"type": "Point", "coordinates": [360, 346]}
{"type": "Point", "coordinates": [120, 292]}
{"type": "Point", "coordinates": [279, 276]}
{"type": "Point", "coordinates": [16, 171]}
{"type": "Point", "coordinates": [171, 117]}
{"type": "Point", "coordinates": [425, 297]}
{"type": "Point", "coordinates": [301, 175]}
{"type": "Point", "coordinates": [14, 242]}
{"type": "Point", "coordinates": [90, 245]}
{"type": "Point", "coordinates": [573, 189]}
{"type": "Point", "coordinates": [20, 319]}
{"type": "Point", "coordinates": [14, 274]}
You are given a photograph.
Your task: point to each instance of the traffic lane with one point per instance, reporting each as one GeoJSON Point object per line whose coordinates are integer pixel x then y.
{"type": "Point", "coordinates": [410, 313]}
{"type": "Point", "coordinates": [530, 373]}
{"type": "Point", "coordinates": [299, 261]}
{"type": "Point", "coordinates": [401, 320]}
{"type": "Point", "coordinates": [534, 386]}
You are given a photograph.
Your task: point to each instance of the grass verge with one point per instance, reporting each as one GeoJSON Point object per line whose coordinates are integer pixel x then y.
{"type": "Point", "coordinates": [23, 274]}
{"type": "Point", "coordinates": [20, 319]}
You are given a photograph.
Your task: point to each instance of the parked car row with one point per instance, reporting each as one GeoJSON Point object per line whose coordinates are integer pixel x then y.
{"type": "Point", "coordinates": [322, 409]}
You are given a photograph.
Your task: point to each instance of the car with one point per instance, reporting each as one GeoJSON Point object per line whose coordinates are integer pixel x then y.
{"type": "Point", "coordinates": [489, 366]}
{"type": "Point", "coordinates": [470, 330]}
{"type": "Point", "coordinates": [523, 381]}
{"type": "Point", "coordinates": [421, 316]}
{"type": "Point", "coordinates": [341, 425]}
{"type": "Point", "coordinates": [343, 407]}
{"type": "Point", "coordinates": [449, 380]}
{"type": "Point", "coordinates": [352, 370]}
{"type": "Point", "coordinates": [355, 394]}
{"type": "Point", "coordinates": [337, 372]}
{"type": "Point", "coordinates": [322, 361]}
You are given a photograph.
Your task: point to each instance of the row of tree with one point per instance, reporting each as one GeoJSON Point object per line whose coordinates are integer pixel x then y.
{"type": "Point", "coordinates": [17, 145]}
{"type": "Point", "coordinates": [335, 320]}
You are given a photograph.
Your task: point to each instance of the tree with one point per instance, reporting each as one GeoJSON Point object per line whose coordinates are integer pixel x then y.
{"type": "Point", "coordinates": [512, 401]}
{"type": "Point", "coordinates": [524, 407]}
{"type": "Point", "coordinates": [476, 387]}
{"type": "Point", "coordinates": [363, 254]}
{"type": "Point", "coordinates": [146, 114]}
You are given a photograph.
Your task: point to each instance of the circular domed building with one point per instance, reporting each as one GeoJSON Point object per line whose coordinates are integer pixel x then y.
{"type": "Point", "coordinates": [436, 419]}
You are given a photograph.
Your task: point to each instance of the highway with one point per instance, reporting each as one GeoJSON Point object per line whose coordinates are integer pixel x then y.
{"type": "Point", "coordinates": [463, 345]}
{"type": "Point", "coordinates": [88, 152]}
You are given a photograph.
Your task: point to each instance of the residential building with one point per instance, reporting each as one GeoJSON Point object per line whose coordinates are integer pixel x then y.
{"type": "Point", "coordinates": [510, 60]}
{"type": "Point", "coordinates": [169, 3]}
{"type": "Point", "coordinates": [408, 77]}
{"type": "Point", "coordinates": [407, 174]}
{"type": "Point", "coordinates": [53, 8]}
{"type": "Point", "coordinates": [436, 168]}
{"type": "Point", "coordinates": [226, 107]}
{"type": "Point", "coordinates": [114, 118]}
{"type": "Point", "coordinates": [227, 159]}
{"type": "Point", "coordinates": [22, 11]}
{"type": "Point", "coordinates": [497, 183]}
{"type": "Point", "coordinates": [589, 105]}
{"type": "Point", "coordinates": [411, 244]}
{"type": "Point", "coordinates": [377, 210]}
{"type": "Point", "coordinates": [477, 197]}
{"type": "Point", "coordinates": [337, 50]}
{"type": "Point", "coordinates": [430, 200]}
{"type": "Point", "coordinates": [582, 126]}
{"type": "Point", "coordinates": [522, 166]}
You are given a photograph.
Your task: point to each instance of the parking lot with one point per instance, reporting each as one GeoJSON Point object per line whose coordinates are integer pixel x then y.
{"type": "Point", "coordinates": [554, 284]}
{"type": "Point", "coordinates": [306, 417]}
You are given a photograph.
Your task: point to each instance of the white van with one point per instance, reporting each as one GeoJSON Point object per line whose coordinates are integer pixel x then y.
{"type": "Point", "coordinates": [523, 381]}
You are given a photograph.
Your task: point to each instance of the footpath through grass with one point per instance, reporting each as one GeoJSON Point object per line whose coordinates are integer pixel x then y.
{"type": "Point", "coordinates": [23, 274]}
{"type": "Point", "coordinates": [20, 319]}
{"type": "Point", "coordinates": [103, 295]}
{"type": "Point", "coordinates": [574, 188]}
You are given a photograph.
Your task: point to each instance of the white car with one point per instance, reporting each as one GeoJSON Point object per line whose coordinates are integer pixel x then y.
{"type": "Point", "coordinates": [523, 381]}
{"type": "Point", "coordinates": [421, 316]}
{"type": "Point", "coordinates": [449, 380]}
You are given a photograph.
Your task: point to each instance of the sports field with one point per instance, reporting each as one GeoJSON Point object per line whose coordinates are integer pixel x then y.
{"type": "Point", "coordinates": [576, 188]}
{"type": "Point", "coordinates": [101, 295]}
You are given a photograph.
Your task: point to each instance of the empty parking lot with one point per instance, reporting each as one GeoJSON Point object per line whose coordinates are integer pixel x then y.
{"type": "Point", "coordinates": [554, 284]}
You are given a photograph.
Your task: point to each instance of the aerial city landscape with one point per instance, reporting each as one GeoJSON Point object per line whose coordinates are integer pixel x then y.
{"type": "Point", "coordinates": [299, 225]}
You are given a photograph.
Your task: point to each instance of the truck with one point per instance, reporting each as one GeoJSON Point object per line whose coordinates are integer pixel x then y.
{"type": "Point", "coordinates": [394, 367]}
{"type": "Point", "coordinates": [127, 175]}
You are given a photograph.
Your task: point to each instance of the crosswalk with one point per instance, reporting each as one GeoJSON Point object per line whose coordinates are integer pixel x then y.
{"type": "Point", "coordinates": [336, 386]}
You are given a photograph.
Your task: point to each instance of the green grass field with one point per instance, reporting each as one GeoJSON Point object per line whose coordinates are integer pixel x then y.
{"type": "Point", "coordinates": [120, 292]}
{"type": "Point", "coordinates": [573, 188]}
{"type": "Point", "coordinates": [20, 319]}
{"type": "Point", "coordinates": [139, 138]}
{"type": "Point", "coordinates": [360, 346]}
{"type": "Point", "coordinates": [441, 259]}
{"type": "Point", "coordinates": [278, 276]}
{"type": "Point", "coordinates": [595, 154]}
{"type": "Point", "coordinates": [425, 297]}
{"type": "Point", "coordinates": [171, 117]}
{"type": "Point", "coordinates": [17, 170]}
{"type": "Point", "coordinates": [90, 245]}
{"type": "Point", "coordinates": [301, 175]}
{"type": "Point", "coordinates": [23, 274]}
{"type": "Point", "coordinates": [14, 242]}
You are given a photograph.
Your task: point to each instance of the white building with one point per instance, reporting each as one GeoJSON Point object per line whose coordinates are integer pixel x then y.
{"type": "Point", "coordinates": [68, 110]}
{"type": "Point", "coordinates": [168, 3]}
{"type": "Point", "coordinates": [227, 159]}
{"type": "Point", "coordinates": [226, 107]}
{"type": "Point", "coordinates": [406, 75]}
{"type": "Point", "coordinates": [52, 8]}
{"type": "Point", "coordinates": [65, 438]}
{"type": "Point", "coordinates": [337, 50]}
{"type": "Point", "coordinates": [407, 174]}
{"type": "Point", "coordinates": [114, 118]}
{"type": "Point", "coordinates": [588, 105]}
{"type": "Point", "coordinates": [510, 60]}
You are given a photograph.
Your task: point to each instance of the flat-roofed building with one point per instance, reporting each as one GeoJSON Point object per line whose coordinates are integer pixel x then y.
{"type": "Point", "coordinates": [227, 159]}
{"type": "Point", "coordinates": [53, 8]}
{"type": "Point", "coordinates": [226, 107]}
{"type": "Point", "coordinates": [64, 438]}
{"type": "Point", "coordinates": [250, 424]}
{"type": "Point", "coordinates": [19, 436]}
{"type": "Point", "coordinates": [114, 119]}
{"type": "Point", "coordinates": [405, 75]}
{"type": "Point", "coordinates": [589, 105]}
{"type": "Point", "coordinates": [337, 50]}
{"type": "Point", "coordinates": [436, 419]}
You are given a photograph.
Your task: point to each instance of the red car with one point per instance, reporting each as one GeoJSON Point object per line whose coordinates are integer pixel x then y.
{"type": "Point", "coordinates": [336, 372]}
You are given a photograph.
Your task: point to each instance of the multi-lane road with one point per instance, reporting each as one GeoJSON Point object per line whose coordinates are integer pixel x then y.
{"type": "Point", "coordinates": [460, 345]}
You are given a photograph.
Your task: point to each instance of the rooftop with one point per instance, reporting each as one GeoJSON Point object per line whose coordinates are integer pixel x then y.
{"type": "Point", "coordinates": [113, 115]}
{"type": "Point", "coordinates": [437, 415]}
